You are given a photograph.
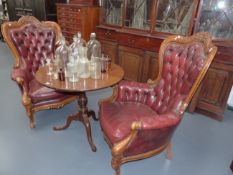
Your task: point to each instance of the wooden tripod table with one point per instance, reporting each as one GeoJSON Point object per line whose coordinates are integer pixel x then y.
{"type": "Point", "coordinates": [108, 79]}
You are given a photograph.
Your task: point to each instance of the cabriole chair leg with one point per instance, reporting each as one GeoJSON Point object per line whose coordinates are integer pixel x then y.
{"type": "Point", "coordinates": [116, 165]}
{"type": "Point", "coordinates": [169, 151]}
{"type": "Point", "coordinates": [31, 118]}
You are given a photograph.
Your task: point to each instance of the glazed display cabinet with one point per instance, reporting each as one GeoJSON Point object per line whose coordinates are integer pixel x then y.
{"type": "Point", "coordinates": [131, 32]}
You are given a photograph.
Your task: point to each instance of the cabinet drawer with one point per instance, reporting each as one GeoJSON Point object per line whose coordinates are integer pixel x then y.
{"type": "Point", "coordinates": [68, 35]}
{"type": "Point", "coordinates": [139, 41]}
{"type": "Point", "coordinates": [75, 21]}
{"type": "Point", "coordinates": [76, 10]}
{"type": "Point", "coordinates": [62, 11]}
{"type": "Point", "coordinates": [106, 34]}
{"type": "Point", "coordinates": [75, 15]}
{"type": "Point", "coordinates": [133, 40]}
{"type": "Point", "coordinates": [64, 28]}
{"type": "Point", "coordinates": [63, 21]}
{"type": "Point", "coordinates": [62, 8]}
{"type": "Point", "coordinates": [74, 26]}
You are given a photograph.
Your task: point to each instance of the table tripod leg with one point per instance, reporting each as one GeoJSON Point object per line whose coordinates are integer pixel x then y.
{"type": "Point", "coordinates": [68, 122]}
{"type": "Point", "coordinates": [91, 113]}
{"type": "Point", "coordinates": [87, 125]}
{"type": "Point", "coordinates": [84, 114]}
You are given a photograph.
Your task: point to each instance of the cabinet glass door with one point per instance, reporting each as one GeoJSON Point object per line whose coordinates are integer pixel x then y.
{"type": "Point", "coordinates": [138, 14]}
{"type": "Point", "coordinates": [216, 17]}
{"type": "Point", "coordinates": [174, 16]}
{"type": "Point", "coordinates": [112, 12]}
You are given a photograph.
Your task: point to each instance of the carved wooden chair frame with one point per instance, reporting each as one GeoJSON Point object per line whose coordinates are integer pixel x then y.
{"type": "Point", "coordinates": [118, 149]}
{"type": "Point", "coordinates": [26, 100]}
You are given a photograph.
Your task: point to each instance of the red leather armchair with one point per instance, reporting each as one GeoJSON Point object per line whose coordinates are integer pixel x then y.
{"type": "Point", "coordinates": [139, 119]}
{"type": "Point", "coordinates": [31, 41]}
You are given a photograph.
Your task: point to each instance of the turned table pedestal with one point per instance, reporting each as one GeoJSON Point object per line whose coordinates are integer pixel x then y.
{"type": "Point", "coordinates": [108, 79]}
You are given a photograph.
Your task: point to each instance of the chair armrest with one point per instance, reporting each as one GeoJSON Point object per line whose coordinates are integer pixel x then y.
{"type": "Point", "coordinates": [20, 76]}
{"type": "Point", "coordinates": [119, 148]}
{"type": "Point", "coordinates": [133, 92]}
{"type": "Point", "coordinates": [156, 125]}
{"type": "Point", "coordinates": [18, 73]}
{"type": "Point", "coordinates": [161, 121]}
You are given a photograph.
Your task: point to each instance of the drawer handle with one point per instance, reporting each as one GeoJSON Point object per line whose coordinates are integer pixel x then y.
{"type": "Point", "coordinates": [108, 33]}
{"type": "Point", "coordinates": [131, 41]}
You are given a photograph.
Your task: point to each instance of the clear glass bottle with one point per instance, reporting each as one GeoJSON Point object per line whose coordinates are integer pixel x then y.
{"type": "Point", "coordinates": [94, 47]}
{"type": "Point", "coordinates": [95, 69]}
{"type": "Point", "coordinates": [62, 55]}
{"type": "Point", "coordinates": [83, 63]}
{"type": "Point", "coordinates": [80, 40]}
{"type": "Point", "coordinates": [73, 50]}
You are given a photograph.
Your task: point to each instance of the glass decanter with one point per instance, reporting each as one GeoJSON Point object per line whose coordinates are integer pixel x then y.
{"type": "Point", "coordinates": [62, 55]}
{"type": "Point", "coordinates": [83, 63]}
{"type": "Point", "coordinates": [77, 42]}
{"type": "Point", "coordinates": [94, 47]}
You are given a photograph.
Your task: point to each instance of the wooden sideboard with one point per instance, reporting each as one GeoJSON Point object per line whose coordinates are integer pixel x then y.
{"type": "Point", "coordinates": [74, 18]}
{"type": "Point", "coordinates": [135, 47]}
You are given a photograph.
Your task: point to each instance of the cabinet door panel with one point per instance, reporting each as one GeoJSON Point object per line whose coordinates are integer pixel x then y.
{"type": "Point", "coordinates": [131, 61]}
{"type": "Point", "coordinates": [151, 66]}
{"type": "Point", "coordinates": [214, 88]}
{"type": "Point", "coordinates": [28, 4]}
{"type": "Point", "coordinates": [109, 48]}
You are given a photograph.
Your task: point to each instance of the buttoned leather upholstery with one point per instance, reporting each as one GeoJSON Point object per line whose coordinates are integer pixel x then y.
{"type": "Point", "coordinates": [157, 107]}
{"type": "Point", "coordinates": [34, 45]}
{"type": "Point", "coordinates": [32, 42]}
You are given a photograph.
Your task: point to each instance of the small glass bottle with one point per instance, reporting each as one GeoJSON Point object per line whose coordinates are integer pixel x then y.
{"type": "Point", "coordinates": [108, 63]}
{"type": "Point", "coordinates": [61, 75]}
{"type": "Point", "coordinates": [94, 47]}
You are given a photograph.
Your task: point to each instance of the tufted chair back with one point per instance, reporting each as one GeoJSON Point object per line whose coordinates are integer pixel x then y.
{"type": "Point", "coordinates": [181, 61]}
{"type": "Point", "coordinates": [34, 43]}
{"type": "Point", "coordinates": [182, 64]}
{"type": "Point", "coordinates": [31, 42]}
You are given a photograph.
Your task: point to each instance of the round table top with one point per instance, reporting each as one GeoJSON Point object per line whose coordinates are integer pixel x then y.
{"type": "Point", "coordinates": [110, 78]}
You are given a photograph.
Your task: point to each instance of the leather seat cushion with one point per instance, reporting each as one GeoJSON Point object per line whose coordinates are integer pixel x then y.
{"type": "Point", "coordinates": [39, 93]}
{"type": "Point", "coordinates": [116, 118]}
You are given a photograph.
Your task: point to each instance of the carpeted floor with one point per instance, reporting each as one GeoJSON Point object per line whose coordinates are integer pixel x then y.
{"type": "Point", "coordinates": [201, 146]}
